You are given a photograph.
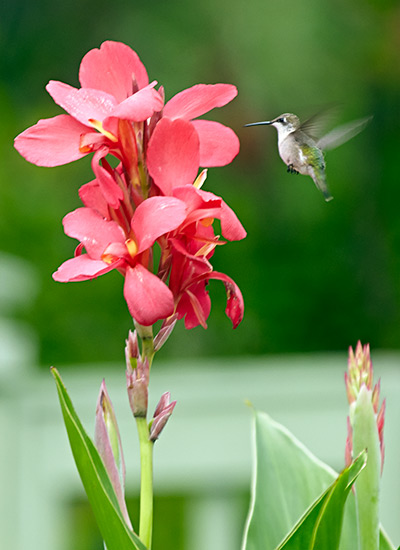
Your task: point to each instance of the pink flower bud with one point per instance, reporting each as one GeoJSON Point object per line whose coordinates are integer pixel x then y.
{"type": "Point", "coordinates": [137, 383]}
{"type": "Point", "coordinates": [161, 415]}
{"type": "Point", "coordinates": [359, 376]}
{"type": "Point", "coordinates": [108, 443]}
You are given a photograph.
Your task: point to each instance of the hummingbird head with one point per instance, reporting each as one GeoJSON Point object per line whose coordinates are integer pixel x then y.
{"type": "Point", "coordinates": [285, 124]}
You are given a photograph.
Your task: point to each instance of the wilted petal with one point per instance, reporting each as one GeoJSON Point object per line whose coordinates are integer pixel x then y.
{"type": "Point", "coordinates": [92, 230]}
{"type": "Point", "coordinates": [154, 217]}
{"type": "Point", "coordinates": [199, 99]}
{"type": "Point", "coordinates": [138, 106]}
{"type": "Point", "coordinates": [52, 141]}
{"type": "Point", "coordinates": [84, 103]}
{"type": "Point", "coordinates": [219, 145]}
{"type": "Point", "coordinates": [148, 298]}
{"type": "Point", "coordinates": [81, 268]}
{"type": "Point", "coordinates": [234, 299]}
{"type": "Point", "coordinates": [173, 154]}
{"type": "Point", "coordinates": [113, 68]}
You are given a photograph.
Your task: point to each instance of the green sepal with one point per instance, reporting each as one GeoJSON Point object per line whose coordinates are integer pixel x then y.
{"type": "Point", "coordinates": [115, 532]}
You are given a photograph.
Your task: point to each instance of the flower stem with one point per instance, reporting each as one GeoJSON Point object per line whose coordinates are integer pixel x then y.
{"type": "Point", "coordinates": [146, 482]}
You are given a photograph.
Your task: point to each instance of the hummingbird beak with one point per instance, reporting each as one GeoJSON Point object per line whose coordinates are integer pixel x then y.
{"type": "Point", "coordinates": [265, 122]}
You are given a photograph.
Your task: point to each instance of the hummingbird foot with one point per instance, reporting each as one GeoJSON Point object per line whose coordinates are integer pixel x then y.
{"type": "Point", "coordinates": [291, 170]}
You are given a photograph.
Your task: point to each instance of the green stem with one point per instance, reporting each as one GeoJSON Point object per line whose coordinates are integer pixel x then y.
{"type": "Point", "coordinates": [146, 482]}
{"type": "Point", "coordinates": [145, 333]}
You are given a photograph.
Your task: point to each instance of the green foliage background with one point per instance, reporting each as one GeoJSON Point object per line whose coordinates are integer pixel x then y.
{"type": "Point", "coordinates": [315, 276]}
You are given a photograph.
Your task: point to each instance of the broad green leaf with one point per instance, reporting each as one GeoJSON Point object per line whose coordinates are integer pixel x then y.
{"type": "Point", "coordinates": [321, 525]}
{"type": "Point", "coordinates": [97, 484]}
{"type": "Point", "coordinates": [287, 479]}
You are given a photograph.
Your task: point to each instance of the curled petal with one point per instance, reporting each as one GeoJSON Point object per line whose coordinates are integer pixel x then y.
{"type": "Point", "coordinates": [113, 68]}
{"type": "Point", "coordinates": [109, 187]}
{"type": "Point", "coordinates": [203, 204]}
{"type": "Point", "coordinates": [52, 141]}
{"type": "Point", "coordinates": [235, 304]}
{"type": "Point", "coordinates": [154, 217]}
{"type": "Point", "coordinates": [84, 103]}
{"type": "Point", "coordinates": [199, 99]}
{"type": "Point", "coordinates": [138, 106]}
{"type": "Point", "coordinates": [219, 145]}
{"type": "Point", "coordinates": [148, 298]}
{"type": "Point", "coordinates": [82, 268]}
{"type": "Point", "coordinates": [92, 230]}
{"type": "Point", "coordinates": [173, 154]}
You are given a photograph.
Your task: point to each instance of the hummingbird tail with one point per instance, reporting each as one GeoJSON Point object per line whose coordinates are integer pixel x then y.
{"type": "Point", "coordinates": [320, 182]}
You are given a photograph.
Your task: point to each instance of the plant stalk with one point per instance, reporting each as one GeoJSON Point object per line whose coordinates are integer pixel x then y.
{"type": "Point", "coordinates": [146, 482]}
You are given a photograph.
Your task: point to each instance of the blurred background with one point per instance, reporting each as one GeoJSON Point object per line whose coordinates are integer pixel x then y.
{"type": "Point", "coordinates": [315, 277]}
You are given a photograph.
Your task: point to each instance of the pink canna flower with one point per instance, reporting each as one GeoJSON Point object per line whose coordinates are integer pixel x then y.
{"type": "Point", "coordinates": [160, 148]}
{"type": "Point", "coordinates": [109, 247]}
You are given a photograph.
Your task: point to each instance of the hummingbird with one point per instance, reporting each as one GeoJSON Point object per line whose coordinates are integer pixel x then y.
{"type": "Point", "coordinates": [302, 152]}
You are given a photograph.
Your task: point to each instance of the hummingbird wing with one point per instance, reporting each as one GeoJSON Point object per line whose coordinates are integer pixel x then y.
{"type": "Point", "coordinates": [343, 133]}
{"type": "Point", "coordinates": [314, 125]}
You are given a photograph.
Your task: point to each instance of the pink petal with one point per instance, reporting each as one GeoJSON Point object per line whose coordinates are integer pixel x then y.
{"type": "Point", "coordinates": [199, 99]}
{"type": "Point", "coordinates": [84, 103]}
{"type": "Point", "coordinates": [200, 204]}
{"type": "Point", "coordinates": [92, 197]}
{"type": "Point", "coordinates": [148, 298]}
{"type": "Point", "coordinates": [81, 268]}
{"type": "Point", "coordinates": [109, 187]}
{"type": "Point", "coordinates": [173, 154]}
{"type": "Point", "coordinates": [52, 141]}
{"type": "Point", "coordinates": [154, 217]}
{"type": "Point", "coordinates": [195, 306]}
{"type": "Point", "coordinates": [113, 68]}
{"type": "Point", "coordinates": [231, 227]}
{"type": "Point", "coordinates": [203, 204]}
{"type": "Point", "coordinates": [219, 145]}
{"type": "Point", "coordinates": [92, 230]}
{"type": "Point", "coordinates": [138, 106]}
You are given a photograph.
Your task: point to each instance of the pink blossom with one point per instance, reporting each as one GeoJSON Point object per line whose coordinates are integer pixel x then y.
{"type": "Point", "coordinates": [109, 247]}
{"type": "Point", "coordinates": [114, 86]}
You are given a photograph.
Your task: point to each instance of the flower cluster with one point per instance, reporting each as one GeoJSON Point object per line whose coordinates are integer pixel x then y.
{"type": "Point", "coordinates": [144, 214]}
{"type": "Point", "coordinates": [359, 379]}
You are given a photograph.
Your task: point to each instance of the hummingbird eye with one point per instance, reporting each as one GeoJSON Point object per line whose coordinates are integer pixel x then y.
{"type": "Point", "coordinates": [281, 120]}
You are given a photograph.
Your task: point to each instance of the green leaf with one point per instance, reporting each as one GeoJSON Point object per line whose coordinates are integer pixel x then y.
{"type": "Point", "coordinates": [97, 484]}
{"type": "Point", "coordinates": [287, 479]}
{"type": "Point", "coordinates": [321, 525]}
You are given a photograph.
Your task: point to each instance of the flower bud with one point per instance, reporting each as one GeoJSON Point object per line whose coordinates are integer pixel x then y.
{"type": "Point", "coordinates": [108, 444]}
{"type": "Point", "coordinates": [165, 331]}
{"type": "Point", "coordinates": [360, 377]}
{"type": "Point", "coordinates": [137, 383]}
{"type": "Point", "coordinates": [161, 414]}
